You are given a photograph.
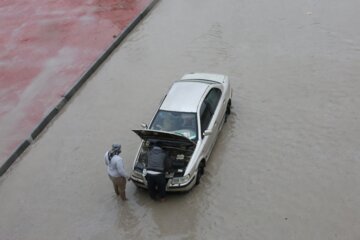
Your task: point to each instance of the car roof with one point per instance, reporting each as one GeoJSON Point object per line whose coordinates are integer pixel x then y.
{"type": "Point", "coordinates": [184, 96]}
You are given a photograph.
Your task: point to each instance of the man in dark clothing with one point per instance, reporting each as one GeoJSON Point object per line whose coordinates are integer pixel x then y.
{"type": "Point", "coordinates": [155, 174]}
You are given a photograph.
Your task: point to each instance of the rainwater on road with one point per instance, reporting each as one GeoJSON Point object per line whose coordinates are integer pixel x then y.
{"type": "Point", "coordinates": [285, 166]}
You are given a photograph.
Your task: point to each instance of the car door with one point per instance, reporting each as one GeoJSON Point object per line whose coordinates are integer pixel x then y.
{"type": "Point", "coordinates": [209, 120]}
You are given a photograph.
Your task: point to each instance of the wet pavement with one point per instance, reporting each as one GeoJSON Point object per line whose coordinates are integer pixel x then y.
{"type": "Point", "coordinates": [45, 47]}
{"type": "Point", "coordinates": [285, 166]}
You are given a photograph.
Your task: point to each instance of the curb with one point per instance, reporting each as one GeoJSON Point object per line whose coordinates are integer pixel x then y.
{"type": "Point", "coordinates": [86, 75]}
{"type": "Point", "coordinates": [20, 149]}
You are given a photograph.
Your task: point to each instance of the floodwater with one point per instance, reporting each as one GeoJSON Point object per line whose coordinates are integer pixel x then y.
{"type": "Point", "coordinates": [285, 166]}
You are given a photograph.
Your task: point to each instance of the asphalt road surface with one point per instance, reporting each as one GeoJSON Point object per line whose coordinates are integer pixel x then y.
{"type": "Point", "coordinates": [285, 166]}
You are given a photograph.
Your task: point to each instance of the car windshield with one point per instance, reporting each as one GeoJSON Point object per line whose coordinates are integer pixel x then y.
{"type": "Point", "coordinates": [176, 122]}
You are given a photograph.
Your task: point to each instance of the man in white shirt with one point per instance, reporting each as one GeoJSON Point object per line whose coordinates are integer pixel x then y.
{"type": "Point", "coordinates": [116, 170]}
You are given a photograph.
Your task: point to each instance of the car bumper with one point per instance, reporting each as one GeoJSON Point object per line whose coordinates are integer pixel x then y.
{"type": "Point", "coordinates": [140, 181]}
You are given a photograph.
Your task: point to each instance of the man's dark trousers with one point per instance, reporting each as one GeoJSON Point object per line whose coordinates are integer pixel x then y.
{"type": "Point", "coordinates": [156, 184]}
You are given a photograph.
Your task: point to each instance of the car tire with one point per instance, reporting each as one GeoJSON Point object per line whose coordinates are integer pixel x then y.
{"type": "Point", "coordinates": [228, 107]}
{"type": "Point", "coordinates": [200, 172]}
{"type": "Point", "coordinates": [228, 110]}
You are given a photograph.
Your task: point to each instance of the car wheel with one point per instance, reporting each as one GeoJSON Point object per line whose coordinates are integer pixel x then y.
{"type": "Point", "coordinates": [228, 110]}
{"type": "Point", "coordinates": [200, 172]}
{"type": "Point", "coordinates": [228, 107]}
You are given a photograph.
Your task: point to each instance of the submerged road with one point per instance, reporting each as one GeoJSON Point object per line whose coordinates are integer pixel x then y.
{"type": "Point", "coordinates": [285, 166]}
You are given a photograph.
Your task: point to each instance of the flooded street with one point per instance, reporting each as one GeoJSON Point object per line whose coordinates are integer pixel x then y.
{"type": "Point", "coordinates": [285, 166]}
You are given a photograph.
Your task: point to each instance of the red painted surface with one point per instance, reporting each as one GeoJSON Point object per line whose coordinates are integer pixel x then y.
{"type": "Point", "coordinates": [45, 46]}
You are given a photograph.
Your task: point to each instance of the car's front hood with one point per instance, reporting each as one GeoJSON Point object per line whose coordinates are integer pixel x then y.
{"type": "Point", "coordinates": [147, 134]}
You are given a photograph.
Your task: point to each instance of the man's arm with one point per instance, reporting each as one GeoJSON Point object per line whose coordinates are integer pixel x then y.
{"type": "Point", "coordinates": [120, 167]}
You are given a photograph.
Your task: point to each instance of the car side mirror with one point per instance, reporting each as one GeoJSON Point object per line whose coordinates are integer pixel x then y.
{"type": "Point", "coordinates": [144, 125]}
{"type": "Point", "coordinates": [207, 132]}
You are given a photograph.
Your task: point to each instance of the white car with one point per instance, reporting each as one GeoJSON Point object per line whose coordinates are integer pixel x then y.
{"type": "Point", "coordinates": [186, 125]}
